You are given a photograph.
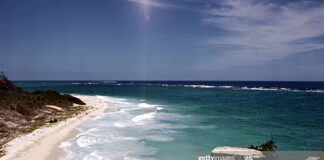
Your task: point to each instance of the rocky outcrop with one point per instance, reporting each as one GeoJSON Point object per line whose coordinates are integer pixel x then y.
{"type": "Point", "coordinates": [236, 152]}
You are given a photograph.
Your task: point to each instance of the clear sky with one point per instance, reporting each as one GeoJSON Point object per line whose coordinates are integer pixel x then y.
{"type": "Point", "coordinates": [162, 39]}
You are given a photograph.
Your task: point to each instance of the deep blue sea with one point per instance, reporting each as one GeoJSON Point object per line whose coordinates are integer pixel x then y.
{"type": "Point", "coordinates": [175, 119]}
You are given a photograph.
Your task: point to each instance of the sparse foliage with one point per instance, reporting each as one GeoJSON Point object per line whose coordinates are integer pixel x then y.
{"type": "Point", "coordinates": [268, 146]}
{"type": "Point", "coordinates": [23, 112]}
{"type": "Point", "coordinates": [3, 76]}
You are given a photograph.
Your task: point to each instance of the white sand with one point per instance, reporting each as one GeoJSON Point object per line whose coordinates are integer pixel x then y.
{"type": "Point", "coordinates": [39, 143]}
{"type": "Point", "coordinates": [54, 107]}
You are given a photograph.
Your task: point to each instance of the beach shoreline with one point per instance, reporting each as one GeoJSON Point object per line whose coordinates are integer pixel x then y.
{"type": "Point", "coordinates": [43, 142]}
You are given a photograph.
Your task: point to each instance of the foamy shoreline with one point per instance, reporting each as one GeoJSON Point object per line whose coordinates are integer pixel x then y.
{"type": "Point", "coordinates": [40, 143]}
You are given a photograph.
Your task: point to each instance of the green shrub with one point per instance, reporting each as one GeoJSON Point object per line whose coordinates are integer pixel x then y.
{"type": "Point", "coordinates": [27, 103]}
{"type": "Point", "coordinates": [73, 99]}
{"type": "Point", "coordinates": [54, 98]}
{"type": "Point", "coordinates": [268, 146]}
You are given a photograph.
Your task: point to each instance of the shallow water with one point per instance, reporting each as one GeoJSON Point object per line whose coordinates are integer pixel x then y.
{"type": "Point", "coordinates": [174, 120]}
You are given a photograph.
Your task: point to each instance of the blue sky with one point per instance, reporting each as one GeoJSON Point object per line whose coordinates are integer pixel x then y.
{"type": "Point", "coordinates": [162, 39]}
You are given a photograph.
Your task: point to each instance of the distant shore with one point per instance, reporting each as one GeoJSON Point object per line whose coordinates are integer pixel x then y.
{"type": "Point", "coordinates": [40, 143]}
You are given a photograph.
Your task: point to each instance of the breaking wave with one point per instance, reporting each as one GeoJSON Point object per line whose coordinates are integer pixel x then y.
{"type": "Point", "coordinates": [123, 131]}
{"type": "Point", "coordinates": [142, 117]}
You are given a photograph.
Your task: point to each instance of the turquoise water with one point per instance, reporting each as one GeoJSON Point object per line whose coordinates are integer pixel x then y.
{"type": "Point", "coordinates": [174, 120]}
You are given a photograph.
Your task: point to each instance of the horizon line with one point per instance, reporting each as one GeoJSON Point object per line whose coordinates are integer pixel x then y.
{"type": "Point", "coordinates": [184, 80]}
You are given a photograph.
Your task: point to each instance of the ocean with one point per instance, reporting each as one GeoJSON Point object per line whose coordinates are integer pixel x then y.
{"type": "Point", "coordinates": [176, 119]}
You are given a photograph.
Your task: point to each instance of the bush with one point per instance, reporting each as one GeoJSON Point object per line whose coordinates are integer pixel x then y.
{"type": "Point", "coordinates": [54, 98]}
{"type": "Point", "coordinates": [268, 146]}
{"type": "Point", "coordinates": [7, 85]}
{"type": "Point", "coordinates": [73, 99]}
{"type": "Point", "coordinates": [25, 103]}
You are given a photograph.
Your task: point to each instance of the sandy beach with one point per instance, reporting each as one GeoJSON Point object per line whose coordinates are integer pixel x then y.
{"type": "Point", "coordinates": [40, 143]}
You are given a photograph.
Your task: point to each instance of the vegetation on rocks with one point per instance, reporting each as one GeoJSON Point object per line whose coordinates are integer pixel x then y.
{"type": "Point", "coordinates": [8, 86]}
{"type": "Point", "coordinates": [23, 112]}
{"type": "Point", "coordinates": [267, 146]}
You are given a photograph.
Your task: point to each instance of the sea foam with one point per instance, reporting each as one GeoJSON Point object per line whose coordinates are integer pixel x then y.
{"type": "Point", "coordinates": [144, 116]}
{"type": "Point", "coordinates": [160, 138]}
{"type": "Point", "coordinates": [200, 86]}
{"type": "Point", "coordinates": [146, 105]}
{"type": "Point", "coordinates": [227, 87]}
{"type": "Point", "coordinates": [85, 140]}
{"type": "Point", "coordinates": [259, 88]}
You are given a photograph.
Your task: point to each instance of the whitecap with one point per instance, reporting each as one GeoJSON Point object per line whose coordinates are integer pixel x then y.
{"type": "Point", "coordinates": [315, 91]}
{"type": "Point", "coordinates": [199, 86]}
{"type": "Point", "coordinates": [128, 109]}
{"type": "Point", "coordinates": [285, 89]}
{"type": "Point", "coordinates": [227, 87]}
{"type": "Point", "coordinates": [260, 88]}
{"type": "Point", "coordinates": [144, 116]}
{"type": "Point", "coordinates": [90, 83]}
{"type": "Point", "coordinates": [282, 89]}
{"type": "Point", "coordinates": [146, 105]}
{"type": "Point", "coordinates": [159, 138]}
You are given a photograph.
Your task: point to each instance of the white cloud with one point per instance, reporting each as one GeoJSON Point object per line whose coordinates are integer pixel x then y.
{"type": "Point", "coordinates": [263, 31]}
{"type": "Point", "coordinates": [256, 31]}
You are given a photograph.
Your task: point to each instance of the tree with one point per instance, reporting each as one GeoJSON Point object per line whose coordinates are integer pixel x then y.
{"type": "Point", "coordinates": [3, 76]}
